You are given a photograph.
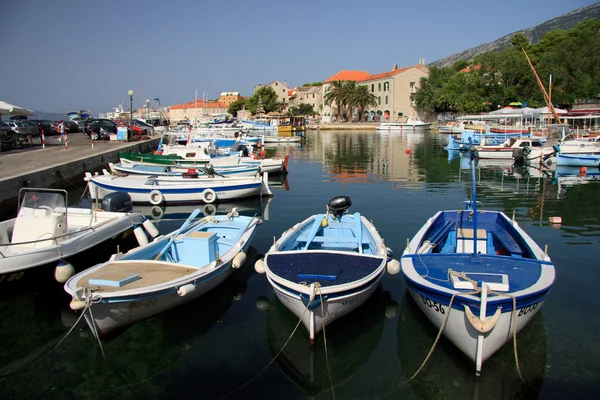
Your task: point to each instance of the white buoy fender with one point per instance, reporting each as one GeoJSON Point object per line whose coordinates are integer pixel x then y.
{"type": "Point", "coordinates": [393, 267]}
{"type": "Point", "coordinates": [238, 260]}
{"type": "Point", "coordinates": [209, 196]}
{"type": "Point", "coordinates": [64, 270]}
{"type": "Point", "coordinates": [155, 197]}
{"type": "Point", "coordinates": [186, 289]}
{"type": "Point", "coordinates": [140, 235]}
{"type": "Point", "coordinates": [77, 304]}
{"type": "Point", "coordinates": [150, 228]}
{"type": "Point", "coordinates": [259, 266]}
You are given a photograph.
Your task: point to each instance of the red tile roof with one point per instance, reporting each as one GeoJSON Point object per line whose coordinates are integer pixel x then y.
{"type": "Point", "coordinates": [361, 76]}
{"type": "Point", "coordinates": [470, 68]}
{"type": "Point", "coordinates": [198, 104]}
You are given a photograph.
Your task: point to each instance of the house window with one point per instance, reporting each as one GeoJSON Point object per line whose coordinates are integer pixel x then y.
{"type": "Point", "coordinates": [386, 99]}
{"type": "Point", "coordinates": [379, 86]}
{"type": "Point", "coordinates": [379, 99]}
{"type": "Point", "coordinates": [313, 96]}
{"type": "Point", "coordinates": [412, 87]}
{"type": "Point", "coordinates": [372, 87]}
{"type": "Point", "coordinates": [386, 86]}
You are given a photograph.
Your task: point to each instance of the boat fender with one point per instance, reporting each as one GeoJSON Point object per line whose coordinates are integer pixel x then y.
{"type": "Point", "coordinates": [186, 289]}
{"type": "Point", "coordinates": [140, 235]}
{"type": "Point", "coordinates": [390, 254]}
{"type": "Point", "coordinates": [63, 271]}
{"type": "Point", "coordinates": [77, 304]}
{"type": "Point", "coordinates": [209, 196]}
{"type": "Point", "coordinates": [393, 267]}
{"type": "Point", "coordinates": [238, 260]}
{"type": "Point", "coordinates": [483, 326]}
{"type": "Point", "coordinates": [150, 228]}
{"type": "Point", "coordinates": [262, 303]}
{"type": "Point", "coordinates": [155, 197]}
{"type": "Point", "coordinates": [259, 266]}
{"type": "Point", "coordinates": [391, 310]}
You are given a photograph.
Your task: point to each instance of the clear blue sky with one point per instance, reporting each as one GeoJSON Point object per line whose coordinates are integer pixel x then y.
{"type": "Point", "coordinates": [64, 55]}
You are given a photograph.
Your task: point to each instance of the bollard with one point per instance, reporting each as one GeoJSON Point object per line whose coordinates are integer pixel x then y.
{"type": "Point", "coordinates": [43, 141]}
{"type": "Point", "coordinates": [66, 142]}
{"type": "Point", "coordinates": [92, 137]}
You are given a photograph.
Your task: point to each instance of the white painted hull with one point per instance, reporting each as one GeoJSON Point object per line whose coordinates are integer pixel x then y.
{"type": "Point", "coordinates": [21, 258]}
{"type": "Point", "coordinates": [460, 332]}
{"type": "Point", "coordinates": [332, 308]}
{"type": "Point", "coordinates": [495, 155]}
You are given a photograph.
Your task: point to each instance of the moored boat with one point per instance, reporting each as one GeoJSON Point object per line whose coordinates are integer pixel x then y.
{"type": "Point", "coordinates": [477, 276]}
{"type": "Point", "coordinates": [172, 270]}
{"type": "Point", "coordinates": [327, 265]}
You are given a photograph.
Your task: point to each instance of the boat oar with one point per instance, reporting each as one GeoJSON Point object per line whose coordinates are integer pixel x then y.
{"type": "Point", "coordinates": [192, 216]}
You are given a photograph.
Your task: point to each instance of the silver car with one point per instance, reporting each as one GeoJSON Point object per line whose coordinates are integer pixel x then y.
{"type": "Point", "coordinates": [25, 128]}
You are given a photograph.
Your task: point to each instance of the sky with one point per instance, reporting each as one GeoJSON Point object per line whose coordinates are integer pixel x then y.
{"type": "Point", "coordinates": [66, 55]}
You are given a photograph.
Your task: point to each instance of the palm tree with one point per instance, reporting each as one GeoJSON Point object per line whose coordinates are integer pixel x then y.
{"type": "Point", "coordinates": [362, 98]}
{"type": "Point", "coordinates": [349, 89]}
{"type": "Point", "coordinates": [335, 94]}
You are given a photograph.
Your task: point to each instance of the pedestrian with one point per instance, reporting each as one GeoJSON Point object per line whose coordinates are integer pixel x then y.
{"type": "Point", "coordinates": [61, 130]}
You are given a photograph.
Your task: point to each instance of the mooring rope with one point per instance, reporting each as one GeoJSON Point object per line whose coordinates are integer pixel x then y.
{"type": "Point", "coordinates": [318, 288]}
{"type": "Point", "coordinates": [311, 298]}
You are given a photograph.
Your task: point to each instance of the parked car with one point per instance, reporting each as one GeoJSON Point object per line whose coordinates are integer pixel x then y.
{"type": "Point", "coordinates": [82, 123]}
{"type": "Point", "coordinates": [24, 129]}
{"type": "Point", "coordinates": [70, 126]}
{"type": "Point", "coordinates": [103, 128]}
{"type": "Point", "coordinates": [144, 125]}
{"type": "Point", "coordinates": [48, 126]}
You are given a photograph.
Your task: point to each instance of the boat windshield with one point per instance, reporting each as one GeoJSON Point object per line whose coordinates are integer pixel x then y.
{"type": "Point", "coordinates": [52, 200]}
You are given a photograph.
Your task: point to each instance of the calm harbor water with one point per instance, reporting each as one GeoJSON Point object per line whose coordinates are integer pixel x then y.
{"type": "Point", "coordinates": [228, 344]}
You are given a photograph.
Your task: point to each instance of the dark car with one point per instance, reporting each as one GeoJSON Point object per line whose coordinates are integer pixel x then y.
{"type": "Point", "coordinates": [47, 126]}
{"type": "Point", "coordinates": [103, 128]}
{"type": "Point", "coordinates": [70, 126]}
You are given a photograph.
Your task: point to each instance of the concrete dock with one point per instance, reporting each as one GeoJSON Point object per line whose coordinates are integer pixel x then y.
{"type": "Point", "coordinates": [56, 166]}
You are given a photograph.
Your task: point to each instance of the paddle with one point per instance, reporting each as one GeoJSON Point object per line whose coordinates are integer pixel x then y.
{"type": "Point", "coordinates": [192, 216]}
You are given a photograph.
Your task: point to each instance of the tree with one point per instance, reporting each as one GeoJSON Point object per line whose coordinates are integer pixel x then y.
{"type": "Point", "coordinates": [348, 92]}
{"type": "Point", "coordinates": [268, 98]}
{"type": "Point", "coordinates": [236, 106]}
{"type": "Point", "coordinates": [335, 94]}
{"type": "Point", "coordinates": [362, 98]}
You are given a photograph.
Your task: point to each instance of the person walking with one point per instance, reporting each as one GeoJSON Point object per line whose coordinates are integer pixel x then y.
{"type": "Point", "coordinates": [60, 128]}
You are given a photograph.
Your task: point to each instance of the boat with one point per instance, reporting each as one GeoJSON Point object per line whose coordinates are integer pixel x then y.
{"type": "Point", "coordinates": [470, 137]}
{"type": "Point", "coordinates": [477, 276]}
{"type": "Point", "coordinates": [578, 146]}
{"type": "Point", "coordinates": [46, 234]}
{"type": "Point", "coordinates": [177, 189]}
{"type": "Point", "coordinates": [452, 127]}
{"type": "Point", "coordinates": [235, 170]}
{"type": "Point", "coordinates": [578, 160]}
{"type": "Point", "coordinates": [411, 122]}
{"type": "Point", "coordinates": [327, 265]}
{"type": "Point", "coordinates": [171, 270]}
{"type": "Point", "coordinates": [514, 148]}
{"type": "Point", "coordinates": [269, 139]}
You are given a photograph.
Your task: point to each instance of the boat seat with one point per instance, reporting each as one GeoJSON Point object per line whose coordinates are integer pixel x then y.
{"type": "Point", "coordinates": [508, 242]}
{"type": "Point", "coordinates": [440, 232]}
{"type": "Point", "coordinates": [332, 239]}
{"type": "Point", "coordinates": [464, 240]}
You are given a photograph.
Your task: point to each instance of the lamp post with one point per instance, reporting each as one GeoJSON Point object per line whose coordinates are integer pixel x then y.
{"type": "Point", "coordinates": [130, 93]}
{"type": "Point", "coordinates": [148, 109]}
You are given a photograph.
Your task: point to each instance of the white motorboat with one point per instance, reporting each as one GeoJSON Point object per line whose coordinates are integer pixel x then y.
{"type": "Point", "coordinates": [411, 122]}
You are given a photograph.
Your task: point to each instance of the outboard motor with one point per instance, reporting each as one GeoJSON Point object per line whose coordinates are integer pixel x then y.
{"type": "Point", "coordinates": [243, 148]}
{"type": "Point", "coordinates": [338, 206]}
{"type": "Point", "coordinates": [117, 201]}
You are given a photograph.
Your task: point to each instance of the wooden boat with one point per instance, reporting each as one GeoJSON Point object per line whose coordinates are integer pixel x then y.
{"type": "Point", "coordinates": [327, 265]}
{"type": "Point", "coordinates": [477, 276]}
{"type": "Point", "coordinates": [177, 189]}
{"type": "Point", "coordinates": [578, 160]}
{"type": "Point", "coordinates": [172, 270]}
{"type": "Point", "coordinates": [46, 234]}
{"type": "Point", "coordinates": [236, 170]}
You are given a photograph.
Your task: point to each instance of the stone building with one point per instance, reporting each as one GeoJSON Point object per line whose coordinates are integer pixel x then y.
{"type": "Point", "coordinates": [196, 110]}
{"type": "Point", "coordinates": [229, 97]}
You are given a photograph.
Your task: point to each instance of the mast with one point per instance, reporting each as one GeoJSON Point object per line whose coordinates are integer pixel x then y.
{"type": "Point", "coordinates": [541, 85]}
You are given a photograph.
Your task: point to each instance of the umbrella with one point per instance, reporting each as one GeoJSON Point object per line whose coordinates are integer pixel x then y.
{"type": "Point", "coordinates": [515, 104]}
{"type": "Point", "coordinates": [10, 109]}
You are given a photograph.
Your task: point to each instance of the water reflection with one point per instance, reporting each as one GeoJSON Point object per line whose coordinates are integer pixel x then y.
{"type": "Point", "coordinates": [350, 343]}
{"type": "Point", "coordinates": [448, 374]}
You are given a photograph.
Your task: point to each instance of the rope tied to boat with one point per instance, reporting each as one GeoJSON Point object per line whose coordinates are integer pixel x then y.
{"type": "Point", "coordinates": [317, 287]}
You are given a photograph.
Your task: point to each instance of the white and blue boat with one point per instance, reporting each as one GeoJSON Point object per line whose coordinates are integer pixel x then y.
{"type": "Point", "coordinates": [177, 189]}
{"type": "Point", "coordinates": [578, 160]}
{"type": "Point", "coordinates": [182, 170]}
{"type": "Point", "coordinates": [327, 265]}
{"type": "Point", "coordinates": [477, 276]}
{"type": "Point", "coordinates": [469, 137]}
{"type": "Point", "coordinates": [171, 270]}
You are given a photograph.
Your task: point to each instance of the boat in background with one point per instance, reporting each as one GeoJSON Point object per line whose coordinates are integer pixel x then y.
{"type": "Point", "coordinates": [411, 122]}
{"type": "Point", "coordinates": [172, 270]}
{"type": "Point", "coordinates": [477, 276]}
{"type": "Point", "coordinates": [327, 265]}
{"type": "Point", "coordinates": [234, 170]}
{"type": "Point", "coordinates": [514, 149]}
{"type": "Point", "coordinates": [578, 160]}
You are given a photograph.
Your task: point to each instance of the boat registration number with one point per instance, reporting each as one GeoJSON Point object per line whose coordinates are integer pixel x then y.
{"type": "Point", "coordinates": [138, 304]}
{"type": "Point", "coordinates": [433, 304]}
{"type": "Point", "coordinates": [528, 309]}
{"type": "Point", "coordinates": [12, 277]}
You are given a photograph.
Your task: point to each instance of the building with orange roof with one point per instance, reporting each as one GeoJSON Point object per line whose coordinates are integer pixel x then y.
{"type": "Point", "coordinates": [196, 110]}
{"type": "Point", "coordinates": [392, 89]}
{"type": "Point", "coordinates": [229, 97]}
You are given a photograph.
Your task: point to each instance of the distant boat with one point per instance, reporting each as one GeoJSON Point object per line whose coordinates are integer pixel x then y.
{"type": "Point", "coordinates": [477, 276]}
{"type": "Point", "coordinates": [411, 122]}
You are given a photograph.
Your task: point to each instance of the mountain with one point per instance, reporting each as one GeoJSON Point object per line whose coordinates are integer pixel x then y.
{"type": "Point", "coordinates": [49, 115]}
{"type": "Point", "coordinates": [565, 21]}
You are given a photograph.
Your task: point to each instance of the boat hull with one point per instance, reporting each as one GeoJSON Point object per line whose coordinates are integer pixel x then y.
{"type": "Point", "coordinates": [578, 160]}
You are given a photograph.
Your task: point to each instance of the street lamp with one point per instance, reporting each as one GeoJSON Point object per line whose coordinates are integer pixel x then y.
{"type": "Point", "coordinates": [130, 93]}
{"type": "Point", "coordinates": [148, 109]}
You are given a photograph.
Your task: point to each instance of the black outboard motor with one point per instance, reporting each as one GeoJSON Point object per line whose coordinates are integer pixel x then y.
{"type": "Point", "coordinates": [243, 149]}
{"type": "Point", "coordinates": [117, 201]}
{"type": "Point", "coordinates": [338, 206]}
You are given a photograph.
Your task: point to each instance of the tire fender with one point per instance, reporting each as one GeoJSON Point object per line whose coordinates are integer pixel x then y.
{"type": "Point", "coordinates": [155, 197]}
{"type": "Point", "coordinates": [209, 196]}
